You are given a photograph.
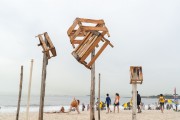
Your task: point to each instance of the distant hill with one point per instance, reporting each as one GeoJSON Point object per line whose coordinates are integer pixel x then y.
{"type": "Point", "coordinates": [167, 96]}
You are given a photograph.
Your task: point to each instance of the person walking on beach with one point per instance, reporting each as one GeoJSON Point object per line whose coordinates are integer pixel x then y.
{"type": "Point", "coordinates": [116, 102]}
{"type": "Point", "coordinates": [138, 102]}
{"type": "Point", "coordinates": [75, 104]}
{"type": "Point", "coordinates": [108, 102]}
{"type": "Point", "coordinates": [161, 101]}
{"type": "Point", "coordinates": [83, 107]}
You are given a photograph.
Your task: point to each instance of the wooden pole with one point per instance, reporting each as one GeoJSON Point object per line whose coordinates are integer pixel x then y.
{"type": "Point", "coordinates": [99, 96]}
{"type": "Point", "coordinates": [20, 91]}
{"type": "Point", "coordinates": [43, 84]}
{"type": "Point", "coordinates": [92, 92]}
{"type": "Point", "coordinates": [134, 96]}
{"type": "Point", "coordinates": [29, 91]}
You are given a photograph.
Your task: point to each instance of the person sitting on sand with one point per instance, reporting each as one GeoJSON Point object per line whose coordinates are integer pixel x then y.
{"type": "Point", "coordinates": [75, 104]}
{"type": "Point", "coordinates": [116, 102]}
{"type": "Point", "coordinates": [62, 110]}
{"type": "Point", "coordinates": [161, 101]}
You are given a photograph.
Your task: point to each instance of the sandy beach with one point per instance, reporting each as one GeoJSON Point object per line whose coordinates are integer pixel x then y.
{"type": "Point", "coordinates": [123, 115]}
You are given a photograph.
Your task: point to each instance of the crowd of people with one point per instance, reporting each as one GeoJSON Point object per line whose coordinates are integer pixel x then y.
{"type": "Point", "coordinates": [74, 106]}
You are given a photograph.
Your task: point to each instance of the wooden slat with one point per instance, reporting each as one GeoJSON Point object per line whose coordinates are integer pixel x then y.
{"type": "Point", "coordinates": [91, 28]}
{"type": "Point", "coordinates": [98, 53]}
{"type": "Point", "coordinates": [72, 27]}
{"type": "Point", "coordinates": [75, 34]}
{"type": "Point", "coordinates": [91, 21]}
{"type": "Point", "coordinates": [42, 43]}
{"type": "Point", "coordinates": [89, 50]}
{"type": "Point", "coordinates": [48, 40]}
{"type": "Point", "coordinates": [89, 43]}
{"type": "Point", "coordinates": [79, 35]}
{"type": "Point", "coordinates": [93, 46]}
{"type": "Point", "coordinates": [84, 41]}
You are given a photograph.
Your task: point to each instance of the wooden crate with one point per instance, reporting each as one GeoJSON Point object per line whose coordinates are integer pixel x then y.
{"type": "Point", "coordinates": [48, 47]}
{"type": "Point", "coordinates": [79, 28]}
{"type": "Point", "coordinates": [92, 36]}
{"type": "Point", "coordinates": [136, 75]}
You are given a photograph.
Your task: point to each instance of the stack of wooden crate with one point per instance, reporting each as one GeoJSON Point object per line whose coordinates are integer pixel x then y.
{"type": "Point", "coordinates": [85, 35]}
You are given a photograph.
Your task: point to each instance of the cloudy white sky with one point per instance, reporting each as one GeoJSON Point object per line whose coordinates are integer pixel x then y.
{"type": "Point", "coordinates": [144, 32]}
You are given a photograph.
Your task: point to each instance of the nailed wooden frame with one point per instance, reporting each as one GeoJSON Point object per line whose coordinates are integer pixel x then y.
{"type": "Point", "coordinates": [82, 30]}
{"type": "Point", "coordinates": [87, 46]}
{"type": "Point", "coordinates": [136, 75]}
{"type": "Point", "coordinates": [47, 48]}
{"type": "Point", "coordinates": [91, 38]}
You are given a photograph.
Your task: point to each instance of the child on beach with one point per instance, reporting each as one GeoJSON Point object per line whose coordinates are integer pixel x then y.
{"type": "Point", "coordinates": [108, 102]}
{"type": "Point", "coordinates": [161, 101]}
{"type": "Point", "coordinates": [75, 104]}
{"type": "Point", "coordinates": [116, 102]}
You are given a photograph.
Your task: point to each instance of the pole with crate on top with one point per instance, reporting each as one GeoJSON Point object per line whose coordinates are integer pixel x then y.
{"type": "Point", "coordinates": [49, 51]}
{"type": "Point", "coordinates": [136, 77]}
{"type": "Point", "coordinates": [86, 35]}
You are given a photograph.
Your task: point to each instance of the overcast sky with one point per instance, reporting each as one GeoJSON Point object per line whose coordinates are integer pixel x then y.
{"type": "Point", "coordinates": [144, 32]}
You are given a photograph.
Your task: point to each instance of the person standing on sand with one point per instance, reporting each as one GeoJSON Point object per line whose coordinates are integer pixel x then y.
{"type": "Point", "coordinates": [108, 102]}
{"type": "Point", "coordinates": [75, 104]}
{"type": "Point", "coordinates": [138, 102]}
{"type": "Point", "coordinates": [83, 107]}
{"type": "Point", "coordinates": [116, 102]}
{"type": "Point", "coordinates": [161, 101]}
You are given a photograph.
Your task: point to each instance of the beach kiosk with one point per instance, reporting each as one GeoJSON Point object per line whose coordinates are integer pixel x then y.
{"type": "Point", "coordinates": [136, 77]}
{"type": "Point", "coordinates": [86, 36]}
{"type": "Point", "coordinates": [49, 51]}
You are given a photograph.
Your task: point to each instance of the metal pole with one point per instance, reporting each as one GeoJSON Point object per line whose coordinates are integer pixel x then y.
{"type": "Point", "coordinates": [29, 91]}
{"type": "Point", "coordinates": [20, 91]}
{"type": "Point", "coordinates": [43, 84]}
{"type": "Point", "coordinates": [92, 92]}
{"type": "Point", "coordinates": [99, 96]}
{"type": "Point", "coordinates": [134, 96]}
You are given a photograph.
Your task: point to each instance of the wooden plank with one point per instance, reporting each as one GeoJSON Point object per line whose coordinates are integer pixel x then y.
{"type": "Point", "coordinates": [91, 28]}
{"type": "Point", "coordinates": [48, 40]}
{"type": "Point", "coordinates": [109, 41]}
{"type": "Point", "coordinates": [91, 21]}
{"type": "Point", "coordinates": [98, 53]}
{"type": "Point", "coordinates": [42, 43]}
{"type": "Point", "coordinates": [20, 92]}
{"type": "Point", "coordinates": [92, 91]}
{"type": "Point", "coordinates": [92, 47]}
{"type": "Point", "coordinates": [81, 34]}
{"type": "Point", "coordinates": [84, 41]}
{"type": "Point", "coordinates": [88, 45]}
{"type": "Point", "coordinates": [72, 27]}
{"type": "Point", "coordinates": [75, 34]}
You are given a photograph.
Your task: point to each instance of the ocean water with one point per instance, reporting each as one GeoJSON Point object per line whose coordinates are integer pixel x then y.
{"type": "Point", "coordinates": [54, 103]}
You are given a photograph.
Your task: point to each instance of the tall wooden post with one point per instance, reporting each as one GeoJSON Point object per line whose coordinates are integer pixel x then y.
{"type": "Point", "coordinates": [20, 91]}
{"type": "Point", "coordinates": [99, 98]}
{"type": "Point", "coordinates": [43, 84]}
{"type": "Point", "coordinates": [134, 96]}
{"type": "Point", "coordinates": [92, 95]}
{"type": "Point", "coordinates": [29, 90]}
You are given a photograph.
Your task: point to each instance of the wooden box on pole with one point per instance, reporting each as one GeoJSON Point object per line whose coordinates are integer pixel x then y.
{"type": "Point", "coordinates": [49, 51]}
{"type": "Point", "coordinates": [136, 77]}
{"type": "Point", "coordinates": [91, 34]}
